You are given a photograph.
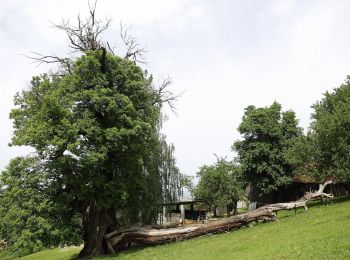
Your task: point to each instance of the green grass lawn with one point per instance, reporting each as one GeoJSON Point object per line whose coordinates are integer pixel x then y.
{"type": "Point", "coordinates": [323, 232]}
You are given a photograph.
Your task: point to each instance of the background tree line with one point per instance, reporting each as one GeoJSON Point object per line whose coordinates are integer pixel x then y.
{"type": "Point", "coordinates": [274, 149]}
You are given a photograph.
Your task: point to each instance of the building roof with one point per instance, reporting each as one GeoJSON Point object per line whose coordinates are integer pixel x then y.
{"type": "Point", "coordinates": [303, 178]}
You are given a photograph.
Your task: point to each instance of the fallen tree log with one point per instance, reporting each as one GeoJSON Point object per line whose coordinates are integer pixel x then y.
{"type": "Point", "coordinates": [147, 235]}
{"type": "Point", "coordinates": [120, 239]}
{"type": "Point", "coordinates": [302, 202]}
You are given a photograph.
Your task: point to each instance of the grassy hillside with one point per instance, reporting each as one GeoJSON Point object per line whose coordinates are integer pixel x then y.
{"type": "Point", "coordinates": [323, 232]}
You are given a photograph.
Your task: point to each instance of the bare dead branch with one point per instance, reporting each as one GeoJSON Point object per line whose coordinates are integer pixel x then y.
{"type": "Point", "coordinates": [110, 49]}
{"type": "Point", "coordinates": [86, 34]}
{"type": "Point", "coordinates": [65, 63]}
{"type": "Point", "coordinates": [92, 11]}
{"type": "Point", "coordinates": [165, 95]}
{"type": "Point", "coordinates": [82, 37]}
{"type": "Point", "coordinates": [133, 50]}
{"type": "Point", "coordinates": [162, 95]}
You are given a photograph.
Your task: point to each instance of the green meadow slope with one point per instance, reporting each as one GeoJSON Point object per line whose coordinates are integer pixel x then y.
{"type": "Point", "coordinates": [322, 232]}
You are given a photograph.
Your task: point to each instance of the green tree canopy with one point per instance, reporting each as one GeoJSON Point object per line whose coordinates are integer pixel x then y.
{"type": "Point", "coordinates": [28, 217]}
{"type": "Point", "coordinates": [95, 125]}
{"type": "Point", "coordinates": [302, 155]}
{"type": "Point", "coordinates": [330, 127]}
{"type": "Point", "coordinates": [267, 134]}
{"type": "Point", "coordinates": [220, 184]}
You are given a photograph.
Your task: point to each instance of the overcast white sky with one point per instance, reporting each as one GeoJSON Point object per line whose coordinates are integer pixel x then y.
{"type": "Point", "coordinates": [225, 55]}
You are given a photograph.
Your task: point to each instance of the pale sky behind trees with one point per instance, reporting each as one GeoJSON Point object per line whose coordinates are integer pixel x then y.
{"type": "Point", "coordinates": [224, 54]}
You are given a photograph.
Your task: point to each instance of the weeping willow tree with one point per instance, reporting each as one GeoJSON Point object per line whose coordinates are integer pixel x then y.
{"type": "Point", "coordinates": [169, 172]}
{"type": "Point", "coordinates": [162, 182]}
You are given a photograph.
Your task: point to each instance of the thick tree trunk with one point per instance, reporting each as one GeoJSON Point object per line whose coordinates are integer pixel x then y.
{"type": "Point", "coordinates": [235, 211]}
{"type": "Point", "coordinates": [232, 207]}
{"type": "Point", "coordinates": [214, 211]}
{"type": "Point", "coordinates": [97, 222]}
{"type": "Point", "coordinates": [148, 235]}
{"type": "Point", "coordinates": [228, 210]}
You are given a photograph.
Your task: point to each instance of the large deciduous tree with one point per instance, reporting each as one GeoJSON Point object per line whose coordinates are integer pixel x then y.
{"type": "Point", "coordinates": [171, 178]}
{"type": "Point", "coordinates": [302, 154]}
{"type": "Point", "coordinates": [94, 124]}
{"type": "Point", "coordinates": [220, 184]}
{"type": "Point", "coordinates": [331, 132]}
{"type": "Point", "coordinates": [267, 135]}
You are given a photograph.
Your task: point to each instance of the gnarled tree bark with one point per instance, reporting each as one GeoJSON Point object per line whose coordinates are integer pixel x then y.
{"type": "Point", "coordinates": [97, 222]}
